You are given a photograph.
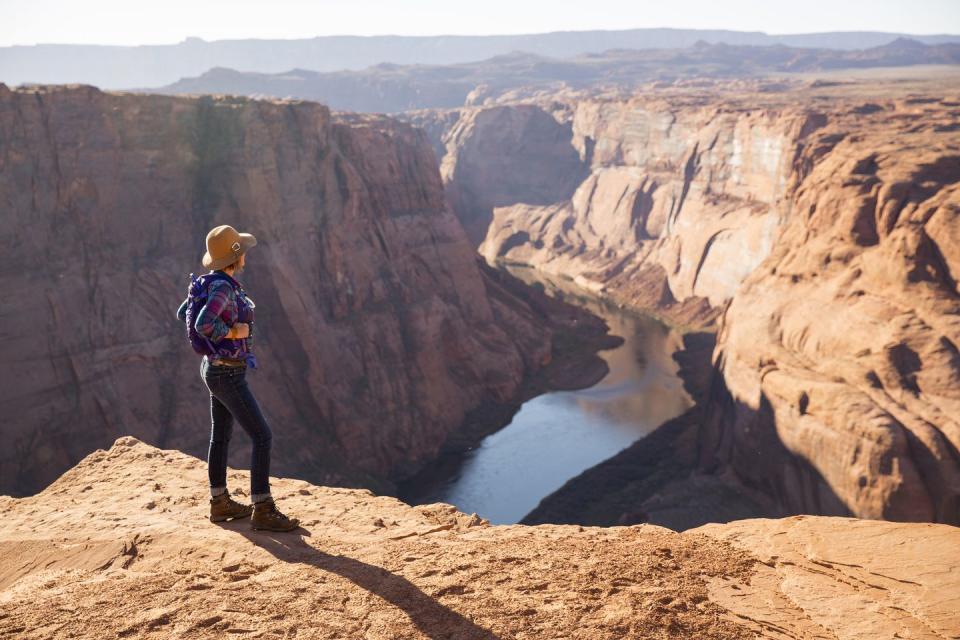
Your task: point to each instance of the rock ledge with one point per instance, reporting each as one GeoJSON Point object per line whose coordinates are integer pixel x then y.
{"type": "Point", "coordinates": [119, 546]}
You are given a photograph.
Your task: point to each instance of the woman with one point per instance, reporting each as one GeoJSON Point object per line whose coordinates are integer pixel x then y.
{"type": "Point", "coordinates": [224, 325]}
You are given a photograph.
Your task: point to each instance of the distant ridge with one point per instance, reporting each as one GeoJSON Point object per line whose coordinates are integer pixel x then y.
{"type": "Point", "coordinates": [116, 67]}
{"type": "Point", "coordinates": [391, 87]}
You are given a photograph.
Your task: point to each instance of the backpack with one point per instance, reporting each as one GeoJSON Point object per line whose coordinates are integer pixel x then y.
{"type": "Point", "coordinates": [196, 299]}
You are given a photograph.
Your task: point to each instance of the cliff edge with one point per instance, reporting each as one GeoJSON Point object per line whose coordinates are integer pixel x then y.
{"type": "Point", "coordinates": [120, 546]}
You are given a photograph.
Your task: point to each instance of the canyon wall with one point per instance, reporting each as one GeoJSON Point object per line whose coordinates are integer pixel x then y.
{"type": "Point", "coordinates": [822, 223]}
{"type": "Point", "coordinates": [377, 331]}
{"type": "Point", "coordinates": [653, 202]}
{"type": "Point", "coordinates": [843, 344]}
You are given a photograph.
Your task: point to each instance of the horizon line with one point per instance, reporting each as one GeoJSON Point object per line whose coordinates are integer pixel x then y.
{"type": "Point", "coordinates": [187, 39]}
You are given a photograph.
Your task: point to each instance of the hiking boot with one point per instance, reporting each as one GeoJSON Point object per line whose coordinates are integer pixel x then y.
{"type": "Point", "coordinates": [267, 517]}
{"type": "Point", "coordinates": [223, 507]}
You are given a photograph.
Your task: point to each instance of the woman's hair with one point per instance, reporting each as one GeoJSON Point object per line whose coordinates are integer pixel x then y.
{"type": "Point", "coordinates": [235, 264]}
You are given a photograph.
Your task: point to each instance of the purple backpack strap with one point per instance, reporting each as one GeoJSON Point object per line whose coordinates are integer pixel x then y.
{"type": "Point", "coordinates": [202, 292]}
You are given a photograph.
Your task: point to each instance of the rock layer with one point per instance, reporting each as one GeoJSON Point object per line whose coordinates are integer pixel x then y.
{"type": "Point", "coordinates": [120, 546]}
{"type": "Point", "coordinates": [377, 332]}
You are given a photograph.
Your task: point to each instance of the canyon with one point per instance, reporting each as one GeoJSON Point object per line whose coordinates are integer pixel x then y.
{"type": "Point", "coordinates": [152, 565]}
{"type": "Point", "coordinates": [810, 228]}
{"type": "Point", "coordinates": [563, 432]}
{"type": "Point", "coordinates": [798, 240]}
{"type": "Point", "coordinates": [381, 332]}
{"type": "Point", "coordinates": [803, 237]}
{"type": "Point", "coordinates": [813, 228]}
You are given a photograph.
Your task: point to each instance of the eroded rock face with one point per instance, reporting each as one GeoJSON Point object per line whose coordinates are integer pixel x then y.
{"type": "Point", "coordinates": [503, 156]}
{"type": "Point", "coordinates": [376, 331]}
{"type": "Point", "coordinates": [125, 548]}
{"type": "Point", "coordinates": [842, 347]}
{"type": "Point", "coordinates": [681, 196]}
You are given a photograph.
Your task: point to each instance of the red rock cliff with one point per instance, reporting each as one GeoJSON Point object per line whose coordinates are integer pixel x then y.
{"type": "Point", "coordinates": [376, 330]}
{"type": "Point", "coordinates": [842, 346]}
{"type": "Point", "coordinates": [654, 201]}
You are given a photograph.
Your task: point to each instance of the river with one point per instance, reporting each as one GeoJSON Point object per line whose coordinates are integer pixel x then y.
{"type": "Point", "coordinates": [557, 435]}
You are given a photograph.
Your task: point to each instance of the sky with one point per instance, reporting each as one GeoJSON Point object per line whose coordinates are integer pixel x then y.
{"type": "Point", "coordinates": [131, 22]}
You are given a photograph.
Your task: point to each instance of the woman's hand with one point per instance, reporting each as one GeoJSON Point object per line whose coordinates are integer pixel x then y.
{"type": "Point", "coordinates": [239, 330]}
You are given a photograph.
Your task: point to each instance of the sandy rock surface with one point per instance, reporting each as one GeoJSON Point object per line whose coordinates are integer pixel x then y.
{"type": "Point", "coordinates": [120, 546]}
{"type": "Point", "coordinates": [844, 578]}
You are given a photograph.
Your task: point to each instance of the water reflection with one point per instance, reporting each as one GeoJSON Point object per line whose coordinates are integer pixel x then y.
{"type": "Point", "coordinates": [555, 436]}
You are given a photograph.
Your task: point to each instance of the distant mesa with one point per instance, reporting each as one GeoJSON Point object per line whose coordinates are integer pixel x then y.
{"type": "Point", "coordinates": [389, 87]}
{"type": "Point", "coordinates": [160, 65]}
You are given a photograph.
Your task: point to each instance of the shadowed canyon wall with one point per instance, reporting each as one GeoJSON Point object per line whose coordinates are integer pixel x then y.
{"type": "Point", "coordinates": [822, 226]}
{"type": "Point", "coordinates": [377, 331]}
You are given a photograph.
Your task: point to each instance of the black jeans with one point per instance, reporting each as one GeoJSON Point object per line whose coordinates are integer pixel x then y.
{"type": "Point", "coordinates": [230, 398]}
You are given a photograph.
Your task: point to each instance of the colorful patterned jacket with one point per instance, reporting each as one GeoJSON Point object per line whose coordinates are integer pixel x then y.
{"type": "Point", "coordinates": [219, 314]}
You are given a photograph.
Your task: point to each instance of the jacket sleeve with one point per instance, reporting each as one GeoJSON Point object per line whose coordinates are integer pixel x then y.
{"type": "Point", "coordinates": [218, 315]}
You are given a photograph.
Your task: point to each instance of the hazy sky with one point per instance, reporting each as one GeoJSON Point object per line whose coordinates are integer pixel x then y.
{"type": "Point", "coordinates": [132, 22]}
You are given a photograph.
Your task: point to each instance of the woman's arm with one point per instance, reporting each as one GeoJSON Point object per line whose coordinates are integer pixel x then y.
{"type": "Point", "coordinates": [217, 318]}
{"type": "Point", "coordinates": [182, 311]}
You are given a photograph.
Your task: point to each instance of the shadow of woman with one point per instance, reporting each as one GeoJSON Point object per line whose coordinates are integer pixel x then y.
{"type": "Point", "coordinates": [430, 617]}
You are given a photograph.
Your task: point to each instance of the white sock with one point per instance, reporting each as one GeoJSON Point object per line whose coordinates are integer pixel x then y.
{"type": "Point", "coordinates": [217, 491]}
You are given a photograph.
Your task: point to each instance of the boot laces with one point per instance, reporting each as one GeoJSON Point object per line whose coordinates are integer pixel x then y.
{"type": "Point", "coordinates": [272, 510]}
